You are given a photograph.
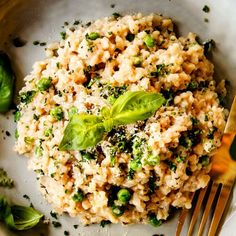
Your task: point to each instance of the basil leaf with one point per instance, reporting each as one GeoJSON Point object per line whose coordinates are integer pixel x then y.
{"type": "Point", "coordinates": [18, 217]}
{"type": "Point", "coordinates": [134, 106]}
{"type": "Point", "coordinates": [83, 131]}
{"type": "Point", "coordinates": [23, 218]}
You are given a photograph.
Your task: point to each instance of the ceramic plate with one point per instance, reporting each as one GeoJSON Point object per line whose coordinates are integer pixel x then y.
{"type": "Point", "coordinates": [42, 20]}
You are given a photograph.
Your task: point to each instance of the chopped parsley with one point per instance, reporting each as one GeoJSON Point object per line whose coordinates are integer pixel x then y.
{"type": "Point", "coordinates": [5, 181]}
{"type": "Point", "coordinates": [206, 9]}
{"type": "Point", "coordinates": [63, 35]}
{"type": "Point", "coordinates": [56, 224]}
{"type": "Point", "coordinates": [27, 97]}
{"type": "Point", "coordinates": [53, 215]}
{"type": "Point", "coordinates": [116, 15]}
{"type": "Point", "coordinates": [103, 223]}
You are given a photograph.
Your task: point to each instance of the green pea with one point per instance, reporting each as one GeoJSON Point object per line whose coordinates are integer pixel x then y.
{"type": "Point", "coordinates": [79, 196]}
{"type": "Point", "coordinates": [123, 195]}
{"type": "Point", "coordinates": [93, 36]}
{"type": "Point", "coordinates": [137, 61]}
{"type": "Point", "coordinates": [44, 83]}
{"type": "Point", "coordinates": [117, 210]}
{"type": "Point", "coordinates": [154, 221]}
{"type": "Point", "coordinates": [149, 41]}
{"type": "Point", "coordinates": [57, 113]}
{"type": "Point", "coordinates": [7, 79]}
{"type": "Point", "coordinates": [48, 132]}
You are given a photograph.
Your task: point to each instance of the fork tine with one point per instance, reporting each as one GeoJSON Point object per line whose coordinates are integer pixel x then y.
{"type": "Point", "coordinates": [197, 209]}
{"type": "Point", "coordinates": [211, 197]}
{"type": "Point", "coordinates": [182, 217]}
{"type": "Point", "coordinates": [219, 210]}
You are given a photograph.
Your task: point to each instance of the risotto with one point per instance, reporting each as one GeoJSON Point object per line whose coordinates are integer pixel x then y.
{"type": "Point", "coordinates": [135, 171]}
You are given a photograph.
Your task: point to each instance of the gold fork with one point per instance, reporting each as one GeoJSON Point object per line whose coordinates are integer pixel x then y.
{"type": "Point", "coordinates": [223, 174]}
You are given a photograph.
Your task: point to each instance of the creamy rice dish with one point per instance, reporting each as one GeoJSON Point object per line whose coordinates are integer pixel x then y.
{"type": "Point", "coordinates": [135, 170]}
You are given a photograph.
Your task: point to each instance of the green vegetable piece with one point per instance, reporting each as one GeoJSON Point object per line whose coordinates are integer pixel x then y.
{"type": "Point", "coordinates": [7, 79]}
{"type": "Point", "coordinates": [5, 181]}
{"type": "Point", "coordinates": [27, 97]}
{"type": "Point", "coordinates": [17, 116]}
{"type": "Point", "coordinates": [57, 113]}
{"type": "Point", "coordinates": [28, 140]}
{"type": "Point", "coordinates": [117, 210]}
{"type": "Point", "coordinates": [16, 134]}
{"type": "Point", "coordinates": [79, 196]}
{"type": "Point", "coordinates": [48, 132]}
{"type": "Point", "coordinates": [154, 221]}
{"type": "Point", "coordinates": [38, 151]}
{"type": "Point", "coordinates": [18, 217]}
{"type": "Point", "coordinates": [72, 111]}
{"type": "Point", "coordinates": [83, 131]}
{"type": "Point", "coordinates": [137, 61]}
{"type": "Point", "coordinates": [44, 84]}
{"type": "Point", "coordinates": [136, 164]}
{"type": "Point", "coordinates": [63, 35]}
{"type": "Point", "coordinates": [152, 160]}
{"type": "Point", "coordinates": [123, 196]}
{"type": "Point", "coordinates": [149, 41]}
{"type": "Point", "coordinates": [133, 106]}
{"type": "Point", "coordinates": [93, 36]}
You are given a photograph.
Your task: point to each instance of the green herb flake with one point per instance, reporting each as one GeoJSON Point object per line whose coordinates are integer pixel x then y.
{"type": "Point", "coordinates": [63, 35]}
{"type": "Point", "coordinates": [66, 233]}
{"type": "Point", "coordinates": [116, 15]}
{"type": "Point", "coordinates": [36, 42]}
{"type": "Point", "coordinates": [29, 140]}
{"type": "Point", "coordinates": [137, 61]}
{"type": "Point", "coordinates": [103, 223]}
{"type": "Point", "coordinates": [17, 116]}
{"type": "Point", "coordinates": [27, 97]}
{"type": "Point", "coordinates": [5, 181]}
{"type": "Point", "coordinates": [78, 196]}
{"type": "Point", "coordinates": [56, 224]}
{"type": "Point", "coordinates": [149, 41]}
{"type": "Point", "coordinates": [53, 215]}
{"type": "Point", "coordinates": [92, 36]}
{"type": "Point", "coordinates": [75, 226]}
{"type": "Point", "coordinates": [57, 113]}
{"type": "Point", "coordinates": [206, 9]}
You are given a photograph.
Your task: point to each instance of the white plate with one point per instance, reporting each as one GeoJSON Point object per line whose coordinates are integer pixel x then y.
{"type": "Point", "coordinates": [42, 20]}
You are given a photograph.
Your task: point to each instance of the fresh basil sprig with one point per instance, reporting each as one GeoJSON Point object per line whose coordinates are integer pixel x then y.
{"type": "Point", "coordinates": [84, 131]}
{"type": "Point", "coordinates": [18, 217]}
